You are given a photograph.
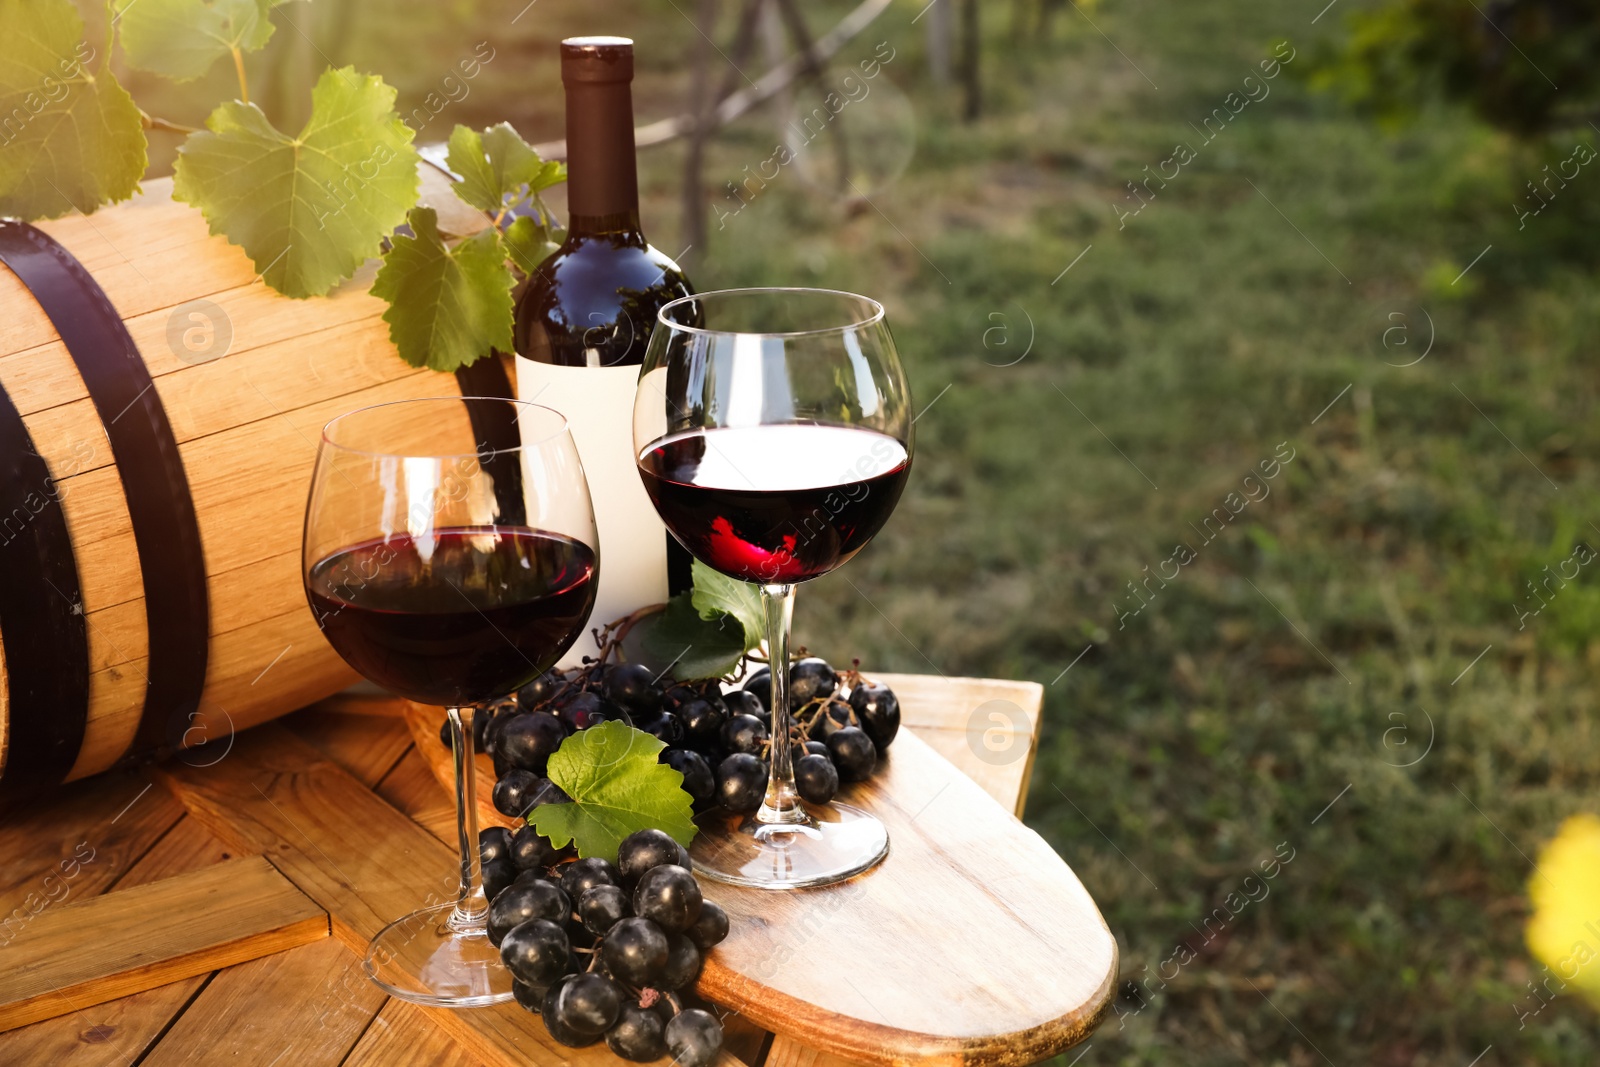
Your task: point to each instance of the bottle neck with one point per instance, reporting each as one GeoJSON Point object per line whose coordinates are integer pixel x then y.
{"type": "Point", "coordinates": [623, 225]}
{"type": "Point", "coordinates": [602, 175]}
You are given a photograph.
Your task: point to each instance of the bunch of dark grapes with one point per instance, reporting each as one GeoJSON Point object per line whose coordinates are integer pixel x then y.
{"type": "Point", "coordinates": [610, 950]}
{"type": "Point", "coordinates": [721, 742]}
{"type": "Point", "coordinates": [841, 725]}
{"type": "Point", "coordinates": [602, 950]}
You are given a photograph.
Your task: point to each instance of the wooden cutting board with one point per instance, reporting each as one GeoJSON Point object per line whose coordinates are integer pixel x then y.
{"type": "Point", "coordinates": [972, 943]}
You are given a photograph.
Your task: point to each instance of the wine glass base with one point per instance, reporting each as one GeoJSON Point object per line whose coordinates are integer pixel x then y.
{"type": "Point", "coordinates": [420, 958]}
{"type": "Point", "coordinates": [835, 842]}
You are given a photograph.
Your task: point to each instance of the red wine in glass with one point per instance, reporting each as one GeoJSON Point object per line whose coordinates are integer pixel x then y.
{"type": "Point", "coordinates": [783, 502]}
{"type": "Point", "coordinates": [450, 618]}
{"type": "Point", "coordinates": [772, 429]}
{"type": "Point", "coordinates": [449, 557]}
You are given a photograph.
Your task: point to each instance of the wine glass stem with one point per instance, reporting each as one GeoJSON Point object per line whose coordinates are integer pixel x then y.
{"type": "Point", "coordinates": [782, 804]}
{"type": "Point", "coordinates": [471, 914]}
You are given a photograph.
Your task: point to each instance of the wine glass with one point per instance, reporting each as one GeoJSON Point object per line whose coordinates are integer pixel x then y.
{"type": "Point", "coordinates": [449, 557]}
{"type": "Point", "coordinates": [773, 433]}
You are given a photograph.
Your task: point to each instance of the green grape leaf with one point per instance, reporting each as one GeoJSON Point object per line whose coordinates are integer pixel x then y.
{"type": "Point", "coordinates": [307, 210]}
{"type": "Point", "coordinates": [617, 788]}
{"type": "Point", "coordinates": [715, 595]}
{"type": "Point", "coordinates": [181, 39]}
{"type": "Point", "coordinates": [497, 164]}
{"type": "Point", "coordinates": [70, 135]}
{"type": "Point", "coordinates": [447, 306]}
{"type": "Point", "coordinates": [529, 243]}
{"type": "Point", "coordinates": [687, 646]}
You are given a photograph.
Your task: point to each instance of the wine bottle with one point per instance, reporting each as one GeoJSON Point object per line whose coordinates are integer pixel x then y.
{"type": "Point", "coordinates": [585, 317]}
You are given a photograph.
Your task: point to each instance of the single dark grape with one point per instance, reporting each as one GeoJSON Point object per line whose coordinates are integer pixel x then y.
{"type": "Point", "coordinates": [635, 951]}
{"type": "Point", "coordinates": [603, 906]}
{"type": "Point", "coordinates": [698, 780]}
{"type": "Point", "coordinates": [583, 875]}
{"type": "Point", "coordinates": [633, 686]}
{"type": "Point", "coordinates": [816, 748]}
{"type": "Point", "coordinates": [678, 694]}
{"type": "Point", "coordinates": [878, 711]}
{"type": "Point", "coordinates": [644, 849]}
{"type": "Point", "coordinates": [521, 901]}
{"type": "Point", "coordinates": [494, 842]}
{"type": "Point", "coordinates": [578, 709]}
{"type": "Point", "coordinates": [816, 778]}
{"type": "Point", "coordinates": [853, 754]}
{"type": "Point", "coordinates": [683, 963]}
{"type": "Point", "coordinates": [711, 928]}
{"type": "Point", "coordinates": [638, 1034]}
{"type": "Point", "coordinates": [744, 733]}
{"type": "Point", "coordinates": [741, 783]}
{"type": "Point", "coordinates": [701, 720]}
{"type": "Point", "coordinates": [514, 792]}
{"type": "Point", "coordinates": [539, 690]}
{"type": "Point", "coordinates": [759, 685]}
{"type": "Point", "coordinates": [549, 1011]}
{"type": "Point", "coordinates": [694, 1038]}
{"type": "Point", "coordinates": [529, 996]}
{"type": "Point", "coordinates": [830, 719]}
{"type": "Point", "coordinates": [588, 1003]}
{"type": "Point", "coordinates": [669, 897]}
{"type": "Point", "coordinates": [662, 725]}
{"type": "Point", "coordinates": [536, 952]}
{"type": "Point", "coordinates": [531, 851]}
{"type": "Point", "coordinates": [743, 702]}
{"type": "Point", "coordinates": [810, 678]}
{"type": "Point", "coordinates": [445, 736]}
{"type": "Point", "coordinates": [528, 740]}
{"type": "Point", "coordinates": [497, 876]}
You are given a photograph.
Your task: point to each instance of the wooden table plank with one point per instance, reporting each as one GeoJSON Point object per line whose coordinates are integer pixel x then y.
{"type": "Point", "coordinates": [362, 860]}
{"type": "Point", "coordinates": [113, 1034]}
{"type": "Point", "coordinates": [404, 1036]}
{"type": "Point", "coordinates": [187, 847]}
{"type": "Point", "coordinates": [73, 842]}
{"type": "Point", "coordinates": [306, 1007]}
{"type": "Point", "coordinates": [107, 947]}
{"type": "Point", "coordinates": [410, 785]}
{"type": "Point", "coordinates": [367, 746]}
{"type": "Point", "coordinates": [988, 727]}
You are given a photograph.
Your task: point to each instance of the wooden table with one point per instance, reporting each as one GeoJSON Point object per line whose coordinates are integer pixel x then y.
{"type": "Point", "coordinates": [236, 935]}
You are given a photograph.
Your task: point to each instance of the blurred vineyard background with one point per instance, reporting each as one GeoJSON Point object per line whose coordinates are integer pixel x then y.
{"type": "Point", "coordinates": [1356, 668]}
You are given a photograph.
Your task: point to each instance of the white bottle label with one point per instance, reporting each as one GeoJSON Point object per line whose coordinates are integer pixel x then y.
{"type": "Point", "coordinates": [598, 405]}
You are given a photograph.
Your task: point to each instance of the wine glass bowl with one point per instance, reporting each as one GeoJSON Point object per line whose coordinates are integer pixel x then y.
{"type": "Point", "coordinates": [773, 432]}
{"type": "Point", "coordinates": [448, 557]}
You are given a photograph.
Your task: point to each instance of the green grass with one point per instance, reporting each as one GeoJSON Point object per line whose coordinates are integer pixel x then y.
{"type": "Point", "coordinates": [1308, 647]}
{"type": "Point", "coordinates": [1325, 625]}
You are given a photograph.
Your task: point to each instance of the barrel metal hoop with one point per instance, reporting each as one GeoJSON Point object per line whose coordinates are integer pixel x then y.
{"type": "Point", "coordinates": [42, 625]}
{"type": "Point", "coordinates": [166, 531]}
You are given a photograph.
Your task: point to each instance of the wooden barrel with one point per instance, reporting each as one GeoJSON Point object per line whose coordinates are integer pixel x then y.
{"type": "Point", "coordinates": [154, 640]}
